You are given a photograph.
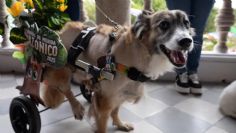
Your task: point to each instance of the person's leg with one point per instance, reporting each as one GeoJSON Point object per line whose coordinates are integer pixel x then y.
{"type": "Point", "coordinates": [184, 5]}
{"type": "Point", "coordinates": [200, 12]}
{"type": "Point", "coordinates": [182, 77]}
{"type": "Point", "coordinates": [73, 9]}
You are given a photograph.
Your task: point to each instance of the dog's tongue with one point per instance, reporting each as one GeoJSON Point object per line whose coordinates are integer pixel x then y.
{"type": "Point", "coordinates": [177, 57]}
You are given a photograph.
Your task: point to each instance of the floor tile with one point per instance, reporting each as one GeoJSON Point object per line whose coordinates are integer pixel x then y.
{"type": "Point", "coordinates": [153, 86]}
{"type": "Point", "coordinates": [6, 77]}
{"type": "Point", "coordinates": [172, 120]}
{"type": "Point", "coordinates": [127, 116]}
{"type": "Point", "coordinates": [9, 93]}
{"type": "Point", "coordinates": [53, 115]}
{"type": "Point", "coordinates": [212, 94]}
{"type": "Point", "coordinates": [5, 124]}
{"type": "Point", "coordinates": [200, 109]}
{"type": "Point", "coordinates": [147, 106]}
{"type": "Point", "coordinates": [228, 124]}
{"type": "Point", "coordinates": [162, 110]}
{"type": "Point", "coordinates": [216, 130]}
{"type": "Point", "coordinates": [69, 125]}
{"type": "Point", "coordinates": [64, 111]}
{"type": "Point", "coordinates": [140, 127]}
{"type": "Point", "coordinates": [8, 84]}
{"type": "Point", "coordinates": [169, 96]}
{"type": "Point", "coordinates": [144, 127]}
{"type": "Point", "coordinates": [4, 106]}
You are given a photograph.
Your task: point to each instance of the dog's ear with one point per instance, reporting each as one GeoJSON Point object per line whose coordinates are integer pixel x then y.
{"type": "Point", "coordinates": [142, 24]}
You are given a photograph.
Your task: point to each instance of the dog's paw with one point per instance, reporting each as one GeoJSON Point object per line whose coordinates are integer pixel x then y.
{"type": "Point", "coordinates": [125, 127]}
{"type": "Point", "coordinates": [78, 112]}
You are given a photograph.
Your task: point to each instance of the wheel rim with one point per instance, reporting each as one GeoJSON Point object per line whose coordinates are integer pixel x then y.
{"type": "Point", "coordinates": [20, 120]}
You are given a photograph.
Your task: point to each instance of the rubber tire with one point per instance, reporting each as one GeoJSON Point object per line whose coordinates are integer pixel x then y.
{"type": "Point", "coordinates": [86, 94]}
{"type": "Point", "coordinates": [25, 107]}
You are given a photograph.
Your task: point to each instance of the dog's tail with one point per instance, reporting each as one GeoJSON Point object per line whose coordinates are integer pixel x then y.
{"type": "Point", "coordinates": [51, 96]}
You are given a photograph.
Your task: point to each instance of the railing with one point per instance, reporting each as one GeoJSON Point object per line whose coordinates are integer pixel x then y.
{"type": "Point", "coordinates": [224, 20]}
{"type": "Point", "coordinates": [3, 20]}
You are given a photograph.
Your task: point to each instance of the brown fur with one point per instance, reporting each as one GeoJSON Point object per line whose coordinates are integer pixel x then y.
{"type": "Point", "coordinates": [136, 46]}
{"type": "Point", "coordinates": [56, 86]}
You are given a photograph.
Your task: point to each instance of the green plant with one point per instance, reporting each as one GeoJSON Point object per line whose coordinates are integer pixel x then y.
{"type": "Point", "coordinates": [90, 9]}
{"type": "Point", "coordinates": [156, 4]}
{"type": "Point", "coordinates": [48, 13]}
{"type": "Point", "coordinates": [211, 26]}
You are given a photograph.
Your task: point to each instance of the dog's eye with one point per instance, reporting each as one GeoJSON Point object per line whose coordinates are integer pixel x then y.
{"type": "Point", "coordinates": [186, 23]}
{"type": "Point", "coordinates": [164, 25]}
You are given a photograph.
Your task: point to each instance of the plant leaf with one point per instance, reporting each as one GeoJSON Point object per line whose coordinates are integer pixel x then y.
{"type": "Point", "coordinates": [38, 4]}
{"type": "Point", "coordinates": [9, 3]}
{"type": "Point", "coordinates": [17, 36]}
{"type": "Point", "coordinates": [20, 56]}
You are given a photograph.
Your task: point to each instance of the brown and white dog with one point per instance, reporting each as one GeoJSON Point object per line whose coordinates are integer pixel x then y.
{"type": "Point", "coordinates": [155, 44]}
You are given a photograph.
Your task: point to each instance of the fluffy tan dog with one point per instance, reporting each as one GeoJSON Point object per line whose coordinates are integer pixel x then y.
{"type": "Point", "coordinates": [227, 100]}
{"type": "Point", "coordinates": [155, 44]}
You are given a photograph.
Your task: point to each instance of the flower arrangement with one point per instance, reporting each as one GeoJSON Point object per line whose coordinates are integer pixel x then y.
{"type": "Point", "coordinates": [48, 13]}
{"type": "Point", "coordinates": [37, 22]}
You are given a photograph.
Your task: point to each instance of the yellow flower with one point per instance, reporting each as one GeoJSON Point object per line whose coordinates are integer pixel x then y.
{"type": "Point", "coordinates": [30, 2]}
{"type": "Point", "coordinates": [61, 1]}
{"type": "Point", "coordinates": [16, 8]}
{"type": "Point", "coordinates": [62, 7]}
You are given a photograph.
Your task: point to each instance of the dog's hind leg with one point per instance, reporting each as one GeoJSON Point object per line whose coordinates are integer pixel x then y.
{"type": "Point", "coordinates": [76, 106]}
{"type": "Point", "coordinates": [51, 95]}
{"type": "Point", "coordinates": [102, 110]}
{"type": "Point", "coordinates": [61, 78]}
{"type": "Point", "coordinates": [117, 122]}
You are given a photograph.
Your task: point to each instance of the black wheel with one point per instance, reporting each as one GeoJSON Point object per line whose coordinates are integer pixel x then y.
{"type": "Point", "coordinates": [24, 115]}
{"type": "Point", "coordinates": [86, 93]}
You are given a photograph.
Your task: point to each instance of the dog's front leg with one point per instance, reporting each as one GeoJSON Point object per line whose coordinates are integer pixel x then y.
{"type": "Point", "coordinates": [77, 108]}
{"type": "Point", "coordinates": [102, 111]}
{"type": "Point", "coordinates": [117, 122]}
{"type": "Point", "coordinates": [101, 121]}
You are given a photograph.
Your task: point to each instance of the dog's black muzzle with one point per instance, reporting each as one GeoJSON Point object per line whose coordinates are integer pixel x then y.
{"type": "Point", "coordinates": [185, 43]}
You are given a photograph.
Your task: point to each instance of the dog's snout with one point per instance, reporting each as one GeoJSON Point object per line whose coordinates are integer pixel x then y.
{"type": "Point", "coordinates": [185, 43]}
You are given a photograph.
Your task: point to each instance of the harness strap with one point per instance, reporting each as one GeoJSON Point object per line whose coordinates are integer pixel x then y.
{"type": "Point", "coordinates": [80, 44]}
{"type": "Point", "coordinates": [132, 73]}
{"type": "Point", "coordinates": [107, 63]}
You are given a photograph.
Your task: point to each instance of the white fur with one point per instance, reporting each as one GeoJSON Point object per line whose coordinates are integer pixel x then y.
{"type": "Point", "coordinates": [158, 65]}
{"type": "Point", "coordinates": [227, 101]}
{"type": "Point", "coordinates": [179, 34]}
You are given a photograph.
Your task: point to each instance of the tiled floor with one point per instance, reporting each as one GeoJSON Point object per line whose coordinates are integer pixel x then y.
{"type": "Point", "coordinates": [162, 110]}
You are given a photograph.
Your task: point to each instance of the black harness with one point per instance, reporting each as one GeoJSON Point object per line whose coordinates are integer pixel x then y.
{"type": "Point", "coordinates": [81, 43]}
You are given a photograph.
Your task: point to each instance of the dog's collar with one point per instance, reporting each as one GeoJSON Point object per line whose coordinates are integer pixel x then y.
{"type": "Point", "coordinates": [108, 63]}
{"type": "Point", "coordinates": [132, 73]}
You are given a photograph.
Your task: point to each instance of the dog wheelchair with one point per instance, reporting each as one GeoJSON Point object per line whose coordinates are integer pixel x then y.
{"type": "Point", "coordinates": [24, 113]}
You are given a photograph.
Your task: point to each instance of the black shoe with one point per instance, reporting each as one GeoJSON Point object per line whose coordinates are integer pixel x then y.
{"type": "Point", "coordinates": [182, 85]}
{"type": "Point", "coordinates": [195, 84]}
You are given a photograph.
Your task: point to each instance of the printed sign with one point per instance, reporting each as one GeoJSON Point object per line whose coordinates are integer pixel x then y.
{"type": "Point", "coordinates": [47, 46]}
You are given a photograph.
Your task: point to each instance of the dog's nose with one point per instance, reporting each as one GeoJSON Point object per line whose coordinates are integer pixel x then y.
{"type": "Point", "coordinates": [185, 43]}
